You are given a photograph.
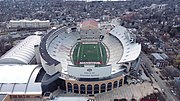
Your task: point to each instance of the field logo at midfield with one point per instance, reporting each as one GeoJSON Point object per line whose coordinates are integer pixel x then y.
{"type": "Point", "coordinates": [89, 70]}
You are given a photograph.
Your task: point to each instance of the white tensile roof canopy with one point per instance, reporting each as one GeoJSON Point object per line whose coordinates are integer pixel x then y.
{"type": "Point", "coordinates": [19, 79]}
{"type": "Point", "coordinates": [23, 52]}
{"type": "Point", "coordinates": [15, 73]}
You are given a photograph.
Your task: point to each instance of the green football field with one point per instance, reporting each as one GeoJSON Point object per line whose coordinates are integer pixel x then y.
{"type": "Point", "coordinates": [89, 54]}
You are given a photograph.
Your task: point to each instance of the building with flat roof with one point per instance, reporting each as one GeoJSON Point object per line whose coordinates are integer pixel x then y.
{"type": "Point", "coordinates": [28, 24]}
{"type": "Point", "coordinates": [160, 60]}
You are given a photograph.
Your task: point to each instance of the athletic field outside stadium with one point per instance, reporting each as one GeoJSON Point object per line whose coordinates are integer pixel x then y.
{"type": "Point", "coordinates": [89, 53]}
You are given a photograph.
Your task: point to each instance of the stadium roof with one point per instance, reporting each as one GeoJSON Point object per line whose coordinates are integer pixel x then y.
{"type": "Point", "coordinates": [19, 79]}
{"type": "Point", "coordinates": [89, 24]}
{"type": "Point", "coordinates": [21, 53]}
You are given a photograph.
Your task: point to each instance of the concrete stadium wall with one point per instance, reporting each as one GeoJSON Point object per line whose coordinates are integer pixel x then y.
{"type": "Point", "coordinates": [90, 72]}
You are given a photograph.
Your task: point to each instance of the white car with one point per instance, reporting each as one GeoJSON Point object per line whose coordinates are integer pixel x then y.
{"type": "Point", "coordinates": [173, 92]}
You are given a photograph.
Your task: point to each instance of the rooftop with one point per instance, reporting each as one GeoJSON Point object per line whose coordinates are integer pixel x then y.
{"type": "Point", "coordinates": [19, 79]}
{"type": "Point", "coordinates": [29, 20]}
{"type": "Point", "coordinates": [89, 24]}
{"type": "Point", "coordinates": [157, 56]}
{"type": "Point", "coordinates": [21, 53]}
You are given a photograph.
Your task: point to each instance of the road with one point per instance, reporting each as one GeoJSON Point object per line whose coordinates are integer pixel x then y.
{"type": "Point", "coordinates": [160, 82]}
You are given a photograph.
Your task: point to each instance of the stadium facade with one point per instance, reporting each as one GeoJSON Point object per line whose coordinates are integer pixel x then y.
{"type": "Point", "coordinates": [89, 58]}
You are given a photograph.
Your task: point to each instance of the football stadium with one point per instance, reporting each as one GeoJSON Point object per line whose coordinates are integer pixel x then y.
{"type": "Point", "coordinates": [88, 59]}
{"type": "Point", "coordinates": [84, 59]}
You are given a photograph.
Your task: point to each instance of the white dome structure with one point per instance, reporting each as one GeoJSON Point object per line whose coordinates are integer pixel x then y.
{"type": "Point", "coordinates": [23, 52]}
